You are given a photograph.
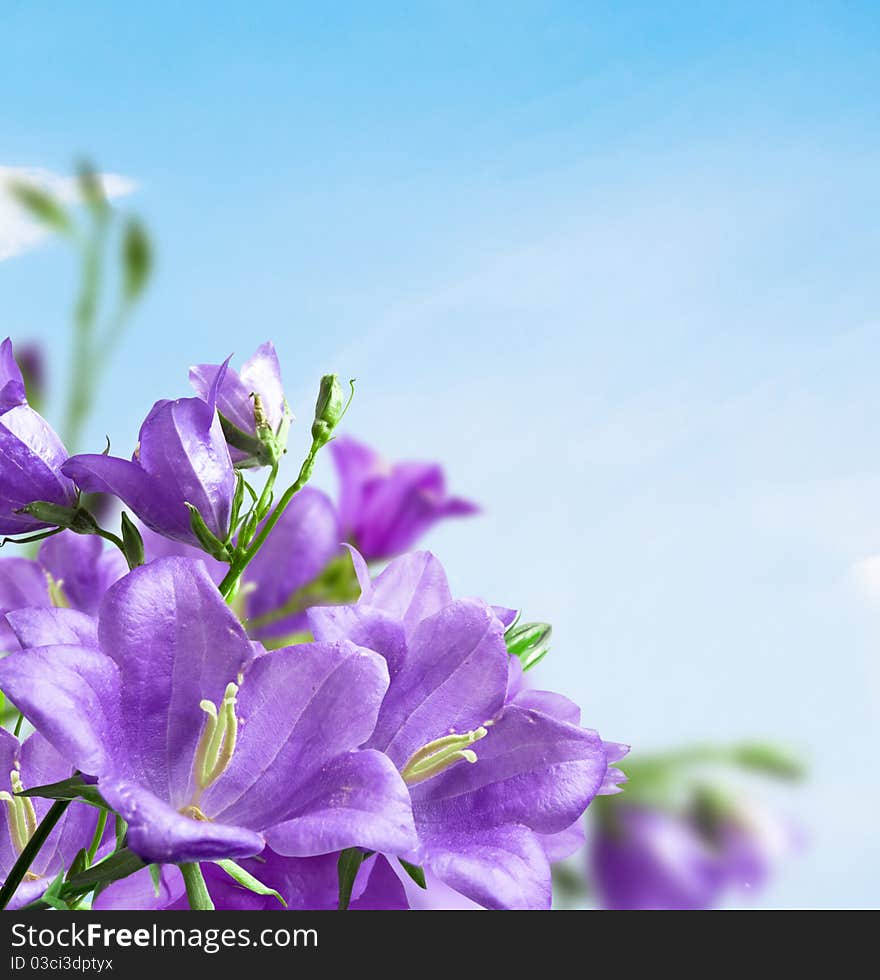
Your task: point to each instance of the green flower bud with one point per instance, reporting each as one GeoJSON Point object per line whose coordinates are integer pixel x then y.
{"type": "Point", "coordinates": [328, 409]}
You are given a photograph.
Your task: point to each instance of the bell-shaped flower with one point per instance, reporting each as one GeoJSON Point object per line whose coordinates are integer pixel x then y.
{"type": "Point", "coordinates": [489, 778]}
{"type": "Point", "coordinates": [251, 404]}
{"type": "Point", "coordinates": [72, 570]}
{"type": "Point", "coordinates": [24, 766]}
{"type": "Point", "coordinates": [383, 508]}
{"type": "Point", "coordinates": [181, 463]}
{"type": "Point", "coordinates": [200, 740]}
{"type": "Point", "coordinates": [31, 455]}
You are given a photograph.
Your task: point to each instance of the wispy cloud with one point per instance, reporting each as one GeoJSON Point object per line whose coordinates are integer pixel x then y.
{"type": "Point", "coordinates": [18, 231]}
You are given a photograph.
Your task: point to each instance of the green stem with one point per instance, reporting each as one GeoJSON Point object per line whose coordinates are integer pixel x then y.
{"type": "Point", "coordinates": [239, 564]}
{"type": "Point", "coordinates": [196, 889]}
{"type": "Point", "coordinates": [99, 833]}
{"type": "Point", "coordinates": [31, 850]}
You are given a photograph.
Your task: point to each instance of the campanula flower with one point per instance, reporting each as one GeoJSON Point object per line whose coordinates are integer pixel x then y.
{"type": "Point", "coordinates": [385, 508]}
{"type": "Point", "coordinates": [200, 740]}
{"type": "Point", "coordinates": [31, 454]}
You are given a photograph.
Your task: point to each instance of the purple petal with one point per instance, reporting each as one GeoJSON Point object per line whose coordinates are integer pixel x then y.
{"type": "Point", "coordinates": [377, 888]}
{"type": "Point", "coordinates": [412, 588]}
{"type": "Point", "coordinates": [137, 891]}
{"type": "Point", "coordinates": [81, 565]}
{"type": "Point", "coordinates": [22, 583]}
{"type": "Point", "coordinates": [182, 446]}
{"type": "Point", "coordinates": [12, 390]}
{"type": "Point", "coordinates": [71, 695]}
{"type": "Point", "coordinates": [551, 704]}
{"type": "Point", "coordinates": [355, 464]}
{"type": "Point", "coordinates": [499, 868]}
{"type": "Point", "coordinates": [31, 455]}
{"type": "Point", "coordinates": [363, 626]}
{"type": "Point", "coordinates": [153, 502]}
{"type": "Point", "coordinates": [453, 679]}
{"type": "Point", "coordinates": [530, 770]}
{"type": "Point", "coordinates": [507, 616]}
{"type": "Point", "coordinates": [262, 373]}
{"type": "Point", "coordinates": [157, 832]}
{"type": "Point", "coordinates": [563, 844]}
{"type": "Point", "coordinates": [299, 708]}
{"type": "Point", "coordinates": [176, 643]}
{"type": "Point", "coordinates": [49, 627]}
{"type": "Point", "coordinates": [358, 799]}
{"type": "Point", "coordinates": [653, 860]}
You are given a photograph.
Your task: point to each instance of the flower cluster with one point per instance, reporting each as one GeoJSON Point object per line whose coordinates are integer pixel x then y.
{"type": "Point", "coordinates": [232, 707]}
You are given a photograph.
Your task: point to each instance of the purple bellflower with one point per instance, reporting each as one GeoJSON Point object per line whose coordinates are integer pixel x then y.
{"type": "Point", "coordinates": [72, 570]}
{"type": "Point", "coordinates": [251, 404]}
{"type": "Point", "coordinates": [182, 459]}
{"type": "Point", "coordinates": [650, 858]}
{"type": "Point", "coordinates": [489, 778]}
{"type": "Point", "coordinates": [31, 454]}
{"type": "Point", "coordinates": [200, 740]}
{"type": "Point", "coordinates": [383, 508]}
{"type": "Point", "coordinates": [24, 766]}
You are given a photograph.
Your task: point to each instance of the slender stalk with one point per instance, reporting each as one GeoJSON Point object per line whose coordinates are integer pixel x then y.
{"type": "Point", "coordinates": [196, 889]}
{"type": "Point", "coordinates": [99, 833]}
{"type": "Point", "coordinates": [31, 850]}
{"type": "Point", "coordinates": [239, 564]}
{"type": "Point", "coordinates": [18, 723]}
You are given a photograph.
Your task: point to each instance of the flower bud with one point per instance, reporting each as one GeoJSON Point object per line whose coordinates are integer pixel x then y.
{"type": "Point", "coordinates": [328, 409]}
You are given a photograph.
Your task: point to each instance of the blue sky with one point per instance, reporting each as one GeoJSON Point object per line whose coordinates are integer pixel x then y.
{"type": "Point", "coordinates": [615, 266]}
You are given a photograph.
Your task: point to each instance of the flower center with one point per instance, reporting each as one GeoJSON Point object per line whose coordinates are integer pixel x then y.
{"type": "Point", "coordinates": [216, 746]}
{"type": "Point", "coordinates": [439, 755]}
{"type": "Point", "coordinates": [20, 814]}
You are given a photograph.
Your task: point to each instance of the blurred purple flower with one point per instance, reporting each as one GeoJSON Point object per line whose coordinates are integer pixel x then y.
{"type": "Point", "coordinates": [200, 741]}
{"type": "Point", "coordinates": [252, 406]}
{"type": "Point", "coordinates": [384, 509]}
{"type": "Point", "coordinates": [24, 766]}
{"type": "Point", "coordinates": [181, 459]}
{"type": "Point", "coordinates": [489, 778]}
{"type": "Point", "coordinates": [31, 454]}
{"type": "Point", "coordinates": [650, 858]}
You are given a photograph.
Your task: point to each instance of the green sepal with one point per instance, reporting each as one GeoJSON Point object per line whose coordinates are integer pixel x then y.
{"type": "Point", "coordinates": [73, 788]}
{"type": "Point", "coordinates": [246, 880]}
{"type": "Point", "coordinates": [133, 542]}
{"type": "Point", "coordinates": [530, 642]}
{"type": "Point", "coordinates": [348, 865]}
{"type": "Point", "coordinates": [74, 518]}
{"type": "Point", "coordinates": [415, 871]}
{"type": "Point", "coordinates": [78, 864]}
{"type": "Point", "coordinates": [258, 453]}
{"type": "Point", "coordinates": [156, 876]}
{"type": "Point", "coordinates": [52, 896]}
{"type": "Point", "coordinates": [209, 542]}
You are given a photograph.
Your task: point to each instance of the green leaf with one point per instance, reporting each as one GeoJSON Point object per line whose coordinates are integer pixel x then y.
{"type": "Point", "coordinates": [156, 875]}
{"type": "Point", "coordinates": [41, 206]}
{"type": "Point", "coordinates": [530, 642]}
{"type": "Point", "coordinates": [415, 871]}
{"type": "Point", "coordinates": [73, 788]}
{"type": "Point", "coordinates": [350, 861]}
{"type": "Point", "coordinates": [53, 894]}
{"type": "Point", "coordinates": [137, 259]}
{"type": "Point", "coordinates": [246, 880]}
{"type": "Point", "coordinates": [118, 865]}
{"type": "Point", "coordinates": [79, 863]}
{"type": "Point", "coordinates": [134, 543]}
